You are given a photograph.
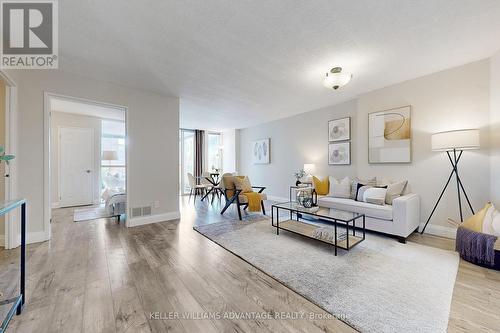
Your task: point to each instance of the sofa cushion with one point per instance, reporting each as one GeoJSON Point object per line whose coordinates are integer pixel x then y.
{"type": "Point", "coordinates": [370, 210]}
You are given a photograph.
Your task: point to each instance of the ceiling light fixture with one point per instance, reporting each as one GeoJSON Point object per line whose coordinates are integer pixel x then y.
{"type": "Point", "coordinates": [336, 78]}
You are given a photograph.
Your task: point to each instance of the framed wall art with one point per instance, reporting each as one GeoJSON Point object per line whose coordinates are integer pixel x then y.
{"type": "Point", "coordinates": [339, 153]}
{"type": "Point", "coordinates": [389, 136]}
{"type": "Point", "coordinates": [261, 151]}
{"type": "Point", "coordinates": [339, 129]}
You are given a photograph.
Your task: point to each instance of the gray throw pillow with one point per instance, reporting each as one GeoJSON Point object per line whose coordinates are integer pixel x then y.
{"type": "Point", "coordinates": [395, 190]}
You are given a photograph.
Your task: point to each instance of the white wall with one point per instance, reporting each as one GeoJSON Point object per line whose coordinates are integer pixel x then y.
{"type": "Point", "coordinates": [450, 99]}
{"type": "Point", "coordinates": [295, 141]}
{"type": "Point", "coordinates": [153, 147]}
{"type": "Point", "coordinates": [495, 128]}
{"type": "Point", "coordinates": [440, 102]}
{"type": "Point", "coordinates": [61, 119]}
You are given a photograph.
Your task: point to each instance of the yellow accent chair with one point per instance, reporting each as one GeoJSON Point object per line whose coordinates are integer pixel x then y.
{"type": "Point", "coordinates": [237, 196]}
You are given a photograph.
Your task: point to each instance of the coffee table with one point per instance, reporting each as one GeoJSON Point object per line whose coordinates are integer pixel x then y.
{"type": "Point", "coordinates": [300, 223]}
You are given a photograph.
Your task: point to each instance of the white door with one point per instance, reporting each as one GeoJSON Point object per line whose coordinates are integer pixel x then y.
{"type": "Point", "coordinates": [76, 163]}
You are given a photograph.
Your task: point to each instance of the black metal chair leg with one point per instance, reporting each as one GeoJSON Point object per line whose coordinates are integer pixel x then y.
{"type": "Point", "coordinates": [263, 209]}
{"type": "Point", "coordinates": [239, 211]}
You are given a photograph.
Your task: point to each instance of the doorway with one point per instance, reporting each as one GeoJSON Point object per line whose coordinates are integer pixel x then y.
{"type": "Point", "coordinates": [78, 150]}
{"type": "Point", "coordinates": [9, 224]}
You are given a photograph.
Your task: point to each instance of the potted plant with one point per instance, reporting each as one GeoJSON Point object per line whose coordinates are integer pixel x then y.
{"type": "Point", "coordinates": [4, 157]}
{"type": "Point", "coordinates": [298, 176]}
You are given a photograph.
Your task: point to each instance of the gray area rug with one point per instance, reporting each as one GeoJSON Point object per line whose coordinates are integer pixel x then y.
{"type": "Point", "coordinates": [86, 214]}
{"type": "Point", "coordinates": [378, 286]}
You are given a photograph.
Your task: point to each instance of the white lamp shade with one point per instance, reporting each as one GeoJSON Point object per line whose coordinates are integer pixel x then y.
{"type": "Point", "coordinates": [109, 155]}
{"type": "Point", "coordinates": [309, 168]}
{"type": "Point", "coordinates": [460, 140]}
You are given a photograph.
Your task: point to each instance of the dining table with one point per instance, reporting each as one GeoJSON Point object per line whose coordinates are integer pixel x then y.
{"type": "Point", "coordinates": [214, 179]}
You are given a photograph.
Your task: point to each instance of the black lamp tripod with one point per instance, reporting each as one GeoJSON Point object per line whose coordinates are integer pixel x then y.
{"type": "Point", "coordinates": [454, 163]}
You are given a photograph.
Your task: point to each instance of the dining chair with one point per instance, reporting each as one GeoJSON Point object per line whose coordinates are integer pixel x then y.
{"type": "Point", "coordinates": [195, 188]}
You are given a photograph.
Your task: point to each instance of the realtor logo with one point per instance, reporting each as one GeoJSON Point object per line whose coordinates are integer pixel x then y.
{"type": "Point", "coordinates": [29, 34]}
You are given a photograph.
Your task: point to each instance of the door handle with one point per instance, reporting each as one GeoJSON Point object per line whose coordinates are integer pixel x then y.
{"type": "Point", "coordinates": [88, 171]}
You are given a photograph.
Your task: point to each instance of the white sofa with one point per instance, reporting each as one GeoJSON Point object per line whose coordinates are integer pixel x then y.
{"type": "Point", "coordinates": [399, 219]}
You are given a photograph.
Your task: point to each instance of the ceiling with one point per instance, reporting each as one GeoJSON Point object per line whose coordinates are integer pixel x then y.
{"type": "Point", "coordinates": [239, 63]}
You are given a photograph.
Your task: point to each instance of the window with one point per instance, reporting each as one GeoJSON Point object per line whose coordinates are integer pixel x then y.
{"type": "Point", "coordinates": [113, 165]}
{"type": "Point", "coordinates": [186, 158]}
{"type": "Point", "coordinates": [214, 152]}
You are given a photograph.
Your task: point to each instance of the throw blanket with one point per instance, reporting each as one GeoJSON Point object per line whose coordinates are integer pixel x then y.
{"type": "Point", "coordinates": [254, 200]}
{"type": "Point", "coordinates": [475, 246]}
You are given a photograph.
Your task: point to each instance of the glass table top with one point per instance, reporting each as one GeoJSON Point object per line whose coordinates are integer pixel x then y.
{"type": "Point", "coordinates": [329, 213]}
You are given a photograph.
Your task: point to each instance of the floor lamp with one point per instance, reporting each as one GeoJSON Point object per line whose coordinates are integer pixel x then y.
{"type": "Point", "coordinates": [454, 143]}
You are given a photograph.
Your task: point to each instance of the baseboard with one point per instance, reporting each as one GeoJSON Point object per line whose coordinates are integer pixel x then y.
{"type": "Point", "coordinates": [439, 230]}
{"type": "Point", "coordinates": [31, 237]}
{"type": "Point", "coordinates": [278, 199]}
{"type": "Point", "coordinates": [36, 237]}
{"type": "Point", "coordinates": [137, 221]}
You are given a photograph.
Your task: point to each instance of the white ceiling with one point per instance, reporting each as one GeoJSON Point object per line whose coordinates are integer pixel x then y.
{"type": "Point", "coordinates": [239, 63]}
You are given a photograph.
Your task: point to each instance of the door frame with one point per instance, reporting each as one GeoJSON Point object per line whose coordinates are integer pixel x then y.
{"type": "Point", "coordinates": [47, 206]}
{"type": "Point", "coordinates": [91, 130]}
{"type": "Point", "coordinates": [11, 239]}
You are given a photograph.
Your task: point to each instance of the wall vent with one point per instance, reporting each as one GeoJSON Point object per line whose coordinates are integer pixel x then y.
{"type": "Point", "coordinates": [146, 210]}
{"type": "Point", "coordinates": [136, 212]}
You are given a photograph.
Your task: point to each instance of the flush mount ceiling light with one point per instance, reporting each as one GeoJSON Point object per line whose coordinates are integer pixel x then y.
{"type": "Point", "coordinates": [336, 78]}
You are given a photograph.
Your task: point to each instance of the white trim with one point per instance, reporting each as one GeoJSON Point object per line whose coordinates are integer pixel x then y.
{"type": "Point", "coordinates": [9, 240]}
{"type": "Point", "coordinates": [2, 240]}
{"type": "Point", "coordinates": [137, 221]}
{"type": "Point", "coordinates": [439, 230]}
{"type": "Point", "coordinates": [278, 199]}
{"type": "Point", "coordinates": [36, 237]}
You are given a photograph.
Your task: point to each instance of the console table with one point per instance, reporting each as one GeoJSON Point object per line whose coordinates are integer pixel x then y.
{"type": "Point", "coordinates": [16, 303]}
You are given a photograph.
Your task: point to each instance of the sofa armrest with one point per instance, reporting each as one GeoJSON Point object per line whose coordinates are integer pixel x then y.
{"type": "Point", "coordinates": [406, 214]}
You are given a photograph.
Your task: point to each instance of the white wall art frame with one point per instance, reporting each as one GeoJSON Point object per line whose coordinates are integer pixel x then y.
{"type": "Point", "coordinates": [389, 136]}
{"type": "Point", "coordinates": [339, 129]}
{"type": "Point", "coordinates": [261, 151]}
{"type": "Point", "coordinates": [339, 153]}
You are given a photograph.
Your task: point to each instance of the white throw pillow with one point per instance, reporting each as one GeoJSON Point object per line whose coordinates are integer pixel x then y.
{"type": "Point", "coordinates": [340, 188]}
{"type": "Point", "coordinates": [375, 195]}
{"type": "Point", "coordinates": [491, 222]}
{"type": "Point", "coordinates": [395, 190]}
{"type": "Point", "coordinates": [356, 181]}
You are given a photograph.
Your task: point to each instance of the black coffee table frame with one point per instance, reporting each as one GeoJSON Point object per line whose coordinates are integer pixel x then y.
{"type": "Point", "coordinates": [303, 228]}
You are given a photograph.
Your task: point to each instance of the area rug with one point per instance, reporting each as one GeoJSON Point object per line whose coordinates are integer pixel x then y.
{"type": "Point", "coordinates": [86, 214]}
{"type": "Point", "coordinates": [378, 286]}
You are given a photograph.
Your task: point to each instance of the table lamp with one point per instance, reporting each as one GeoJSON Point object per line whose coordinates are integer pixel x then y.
{"type": "Point", "coordinates": [454, 143]}
{"type": "Point", "coordinates": [309, 169]}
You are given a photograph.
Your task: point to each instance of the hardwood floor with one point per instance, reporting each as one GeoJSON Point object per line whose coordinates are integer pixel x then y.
{"type": "Point", "coordinates": [99, 276]}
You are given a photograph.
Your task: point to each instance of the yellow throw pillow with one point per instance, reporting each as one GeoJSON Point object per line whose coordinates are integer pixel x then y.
{"type": "Point", "coordinates": [475, 222]}
{"type": "Point", "coordinates": [243, 184]}
{"type": "Point", "coordinates": [322, 187]}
